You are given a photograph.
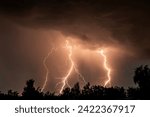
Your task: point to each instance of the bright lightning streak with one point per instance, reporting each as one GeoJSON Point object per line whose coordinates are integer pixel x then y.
{"type": "Point", "coordinates": [106, 67]}
{"type": "Point", "coordinates": [72, 67]}
{"type": "Point", "coordinates": [46, 68]}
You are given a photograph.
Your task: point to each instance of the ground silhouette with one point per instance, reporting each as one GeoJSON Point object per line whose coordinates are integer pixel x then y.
{"type": "Point", "coordinates": [88, 92]}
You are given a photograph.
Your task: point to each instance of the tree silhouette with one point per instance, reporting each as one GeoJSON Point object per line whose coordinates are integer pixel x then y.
{"type": "Point", "coordinates": [75, 91]}
{"type": "Point", "coordinates": [133, 93]}
{"type": "Point", "coordinates": [2, 95]}
{"type": "Point", "coordinates": [89, 92]}
{"type": "Point", "coordinates": [30, 92]}
{"type": "Point", "coordinates": [66, 94]}
{"type": "Point", "coordinates": [86, 91]}
{"type": "Point", "coordinates": [142, 78]}
{"type": "Point", "coordinates": [49, 95]}
{"type": "Point", "coordinates": [12, 94]}
{"type": "Point", "coordinates": [97, 92]}
{"type": "Point", "coordinates": [114, 93]}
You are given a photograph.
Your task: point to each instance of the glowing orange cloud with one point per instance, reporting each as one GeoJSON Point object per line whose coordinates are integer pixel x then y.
{"type": "Point", "coordinates": [106, 67]}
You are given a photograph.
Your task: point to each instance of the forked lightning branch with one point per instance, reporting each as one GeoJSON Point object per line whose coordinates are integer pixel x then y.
{"type": "Point", "coordinates": [73, 67]}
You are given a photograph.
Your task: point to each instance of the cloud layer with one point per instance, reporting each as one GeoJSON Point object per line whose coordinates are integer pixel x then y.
{"type": "Point", "coordinates": [27, 25]}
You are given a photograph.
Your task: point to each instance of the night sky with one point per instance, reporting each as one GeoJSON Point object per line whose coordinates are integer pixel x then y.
{"type": "Point", "coordinates": [30, 28]}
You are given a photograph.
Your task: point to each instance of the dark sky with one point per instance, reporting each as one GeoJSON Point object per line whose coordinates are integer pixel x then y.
{"type": "Point", "coordinates": [29, 28]}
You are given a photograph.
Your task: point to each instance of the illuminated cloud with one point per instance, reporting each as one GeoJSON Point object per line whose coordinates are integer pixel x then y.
{"type": "Point", "coordinates": [29, 28]}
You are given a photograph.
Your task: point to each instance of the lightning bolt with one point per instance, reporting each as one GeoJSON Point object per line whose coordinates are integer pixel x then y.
{"type": "Point", "coordinates": [46, 68]}
{"type": "Point", "coordinates": [72, 67]}
{"type": "Point", "coordinates": [106, 67]}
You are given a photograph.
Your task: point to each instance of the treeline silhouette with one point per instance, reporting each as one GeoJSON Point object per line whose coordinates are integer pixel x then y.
{"type": "Point", "coordinates": [89, 92]}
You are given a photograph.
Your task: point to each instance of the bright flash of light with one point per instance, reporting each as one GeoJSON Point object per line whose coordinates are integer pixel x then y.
{"type": "Point", "coordinates": [46, 67]}
{"type": "Point", "coordinates": [72, 67]}
{"type": "Point", "coordinates": [106, 67]}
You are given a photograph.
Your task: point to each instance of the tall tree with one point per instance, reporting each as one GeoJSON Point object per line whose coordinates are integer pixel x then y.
{"type": "Point", "coordinates": [30, 92]}
{"type": "Point", "coordinates": [142, 78]}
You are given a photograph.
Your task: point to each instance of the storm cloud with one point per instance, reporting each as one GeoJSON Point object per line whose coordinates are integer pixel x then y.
{"type": "Point", "coordinates": [27, 25]}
